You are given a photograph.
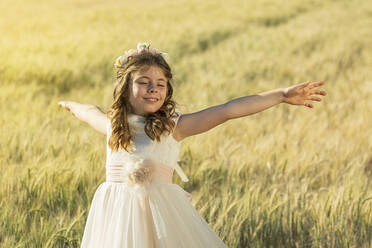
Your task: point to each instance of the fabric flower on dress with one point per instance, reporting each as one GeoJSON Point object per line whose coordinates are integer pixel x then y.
{"type": "Point", "coordinates": [138, 173]}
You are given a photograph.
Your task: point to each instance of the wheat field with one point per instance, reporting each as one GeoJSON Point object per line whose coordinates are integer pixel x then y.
{"type": "Point", "coordinates": [289, 176]}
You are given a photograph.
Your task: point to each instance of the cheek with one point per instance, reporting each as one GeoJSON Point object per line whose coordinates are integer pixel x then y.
{"type": "Point", "coordinates": [137, 91]}
{"type": "Point", "coordinates": [164, 93]}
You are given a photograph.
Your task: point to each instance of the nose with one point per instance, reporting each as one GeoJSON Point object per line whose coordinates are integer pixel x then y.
{"type": "Point", "coordinates": [151, 88]}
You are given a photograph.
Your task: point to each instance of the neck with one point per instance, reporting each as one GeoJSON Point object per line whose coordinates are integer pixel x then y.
{"type": "Point", "coordinates": [132, 112]}
{"type": "Point", "coordinates": [135, 118]}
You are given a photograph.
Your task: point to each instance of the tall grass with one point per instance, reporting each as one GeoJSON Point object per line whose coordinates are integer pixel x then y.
{"type": "Point", "coordinates": [286, 177]}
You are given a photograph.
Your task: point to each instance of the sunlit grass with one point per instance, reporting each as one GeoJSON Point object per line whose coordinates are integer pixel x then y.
{"type": "Point", "coordinates": [287, 177]}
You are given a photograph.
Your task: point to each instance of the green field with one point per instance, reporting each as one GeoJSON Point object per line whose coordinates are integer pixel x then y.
{"type": "Point", "coordinates": [289, 176]}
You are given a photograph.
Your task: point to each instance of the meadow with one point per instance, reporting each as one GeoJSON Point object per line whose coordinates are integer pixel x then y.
{"type": "Point", "coordinates": [289, 176]}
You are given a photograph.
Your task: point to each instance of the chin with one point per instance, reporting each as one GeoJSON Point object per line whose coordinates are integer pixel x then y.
{"type": "Point", "coordinates": [152, 110]}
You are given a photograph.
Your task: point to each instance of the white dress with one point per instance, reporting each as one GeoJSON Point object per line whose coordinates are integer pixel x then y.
{"type": "Point", "coordinates": [146, 211]}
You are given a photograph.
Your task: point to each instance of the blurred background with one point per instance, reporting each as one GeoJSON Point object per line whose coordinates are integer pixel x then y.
{"type": "Point", "coordinates": [289, 176]}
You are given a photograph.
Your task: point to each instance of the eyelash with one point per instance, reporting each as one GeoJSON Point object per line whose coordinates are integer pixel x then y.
{"type": "Point", "coordinates": [146, 83]}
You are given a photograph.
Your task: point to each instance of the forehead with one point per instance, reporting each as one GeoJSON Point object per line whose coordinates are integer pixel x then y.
{"type": "Point", "coordinates": [153, 72]}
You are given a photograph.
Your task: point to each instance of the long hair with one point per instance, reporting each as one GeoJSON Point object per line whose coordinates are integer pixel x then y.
{"type": "Point", "coordinates": [156, 123]}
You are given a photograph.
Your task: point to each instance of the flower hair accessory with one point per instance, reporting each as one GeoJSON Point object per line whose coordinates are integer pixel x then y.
{"type": "Point", "coordinates": [141, 48]}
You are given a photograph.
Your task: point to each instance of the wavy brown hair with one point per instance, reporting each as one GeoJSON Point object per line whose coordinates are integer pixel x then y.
{"type": "Point", "coordinates": [156, 123]}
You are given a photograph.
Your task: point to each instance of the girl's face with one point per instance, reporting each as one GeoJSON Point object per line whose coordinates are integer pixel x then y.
{"type": "Point", "coordinates": [147, 90]}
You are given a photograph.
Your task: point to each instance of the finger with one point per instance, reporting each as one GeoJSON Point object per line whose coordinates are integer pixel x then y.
{"type": "Point", "coordinates": [309, 105]}
{"type": "Point", "coordinates": [64, 104]}
{"type": "Point", "coordinates": [304, 85]}
{"type": "Point", "coordinates": [319, 92]}
{"type": "Point", "coordinates": [314, 98]}
{"type": "Point", "coordinates": [317, 84]}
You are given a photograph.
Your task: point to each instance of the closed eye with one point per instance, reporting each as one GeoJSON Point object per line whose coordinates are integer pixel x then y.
{"type": "Point", "coordinates": [161, 85]}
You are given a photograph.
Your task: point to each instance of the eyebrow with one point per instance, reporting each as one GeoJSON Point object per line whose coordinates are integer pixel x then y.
{"type": "Point", "coordinates": [159, 79]}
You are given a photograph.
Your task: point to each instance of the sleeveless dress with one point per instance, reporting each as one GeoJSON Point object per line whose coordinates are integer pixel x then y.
{"type": "Point", "coordinates": [138, 206]}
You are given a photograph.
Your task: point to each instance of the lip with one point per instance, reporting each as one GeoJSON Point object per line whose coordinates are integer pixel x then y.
{"type": "Point", "coordinates": [151, 99]}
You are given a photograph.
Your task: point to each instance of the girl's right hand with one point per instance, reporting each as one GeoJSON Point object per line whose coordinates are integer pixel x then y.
{"type": "Point", "coordinates": [66, 105]}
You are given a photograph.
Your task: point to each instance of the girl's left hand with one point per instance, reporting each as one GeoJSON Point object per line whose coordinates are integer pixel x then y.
{"type": "Point", "coordinates": [298, 94]}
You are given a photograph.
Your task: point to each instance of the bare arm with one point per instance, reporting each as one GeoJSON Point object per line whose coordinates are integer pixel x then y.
{"type": "Point", "coordinates": [248, 105]}
{"type": "Point", "coordinates": [88, 113]}
{"type": "Point", "coordinates": [199, 122]}
{"type": "Point", "coordinates": [202, 121]}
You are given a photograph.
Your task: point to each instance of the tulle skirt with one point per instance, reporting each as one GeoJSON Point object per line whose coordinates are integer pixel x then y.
{"type": "Point", "coordinates": [157, 214]}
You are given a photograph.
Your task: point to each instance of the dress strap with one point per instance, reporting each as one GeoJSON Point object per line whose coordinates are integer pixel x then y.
{"type": "Point", "coordinates": [108, 126]}
{"type": "Point", "coordinates": [181, 173]}
{"type": "Point", "coordinates": [177, 167]}
{"type": "Point", "coordinates": [177, 117]}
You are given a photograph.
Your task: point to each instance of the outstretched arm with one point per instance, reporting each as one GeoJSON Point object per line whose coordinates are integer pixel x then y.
{"type": "Point", "coordinates": [202, 121]}
{"type": "Point", "coordinates": [295, 95]}
{"type": "Point", "coordinates": [88, 113]}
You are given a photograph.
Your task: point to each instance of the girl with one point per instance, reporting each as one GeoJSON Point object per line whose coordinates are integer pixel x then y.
{"type": "Point", "coordinates": [137, 205]}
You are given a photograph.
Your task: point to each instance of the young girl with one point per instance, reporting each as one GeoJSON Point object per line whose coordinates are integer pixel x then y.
{"type": "Point", "coordinates": [137, 205]}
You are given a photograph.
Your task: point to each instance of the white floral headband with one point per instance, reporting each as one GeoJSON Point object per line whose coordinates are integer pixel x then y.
{"type": "Point", "coordinates": [141, 48]}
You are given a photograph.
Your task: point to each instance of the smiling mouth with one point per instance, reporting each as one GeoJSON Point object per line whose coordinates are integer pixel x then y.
{"type": "Point", "coordinates": [151, 99]}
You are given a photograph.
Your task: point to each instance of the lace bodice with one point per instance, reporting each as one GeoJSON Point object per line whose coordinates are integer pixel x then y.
{"type": "Point", "coordinates": [166, 151]}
